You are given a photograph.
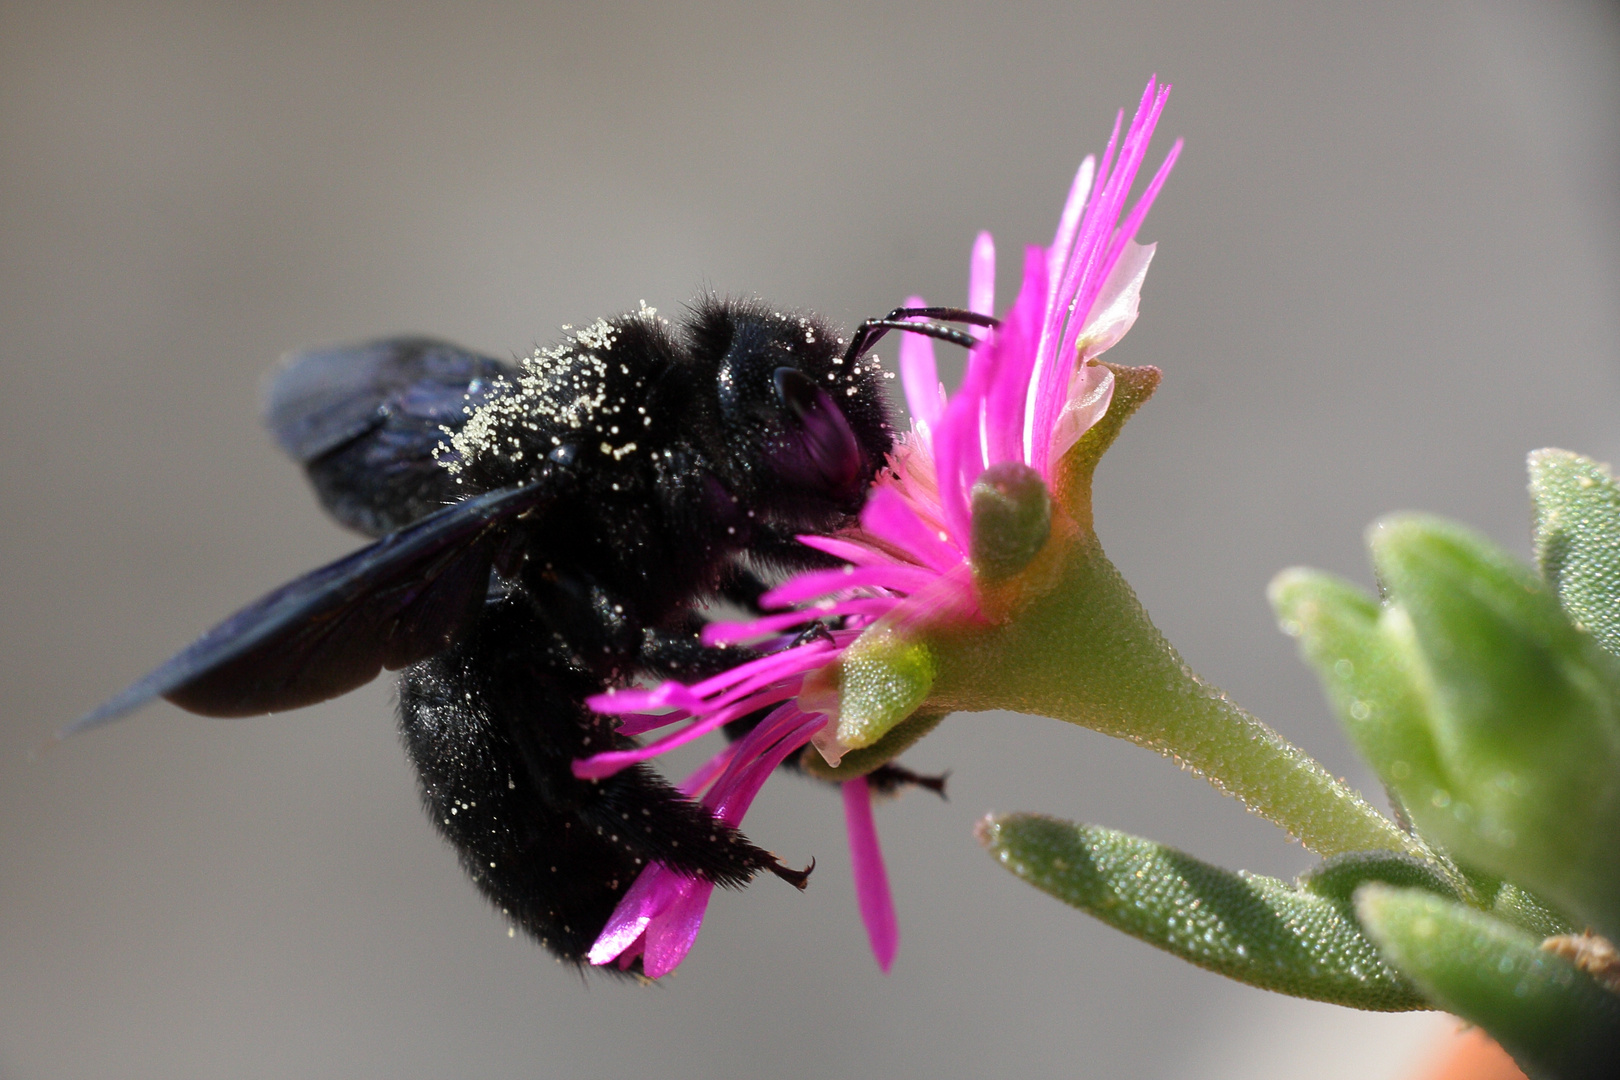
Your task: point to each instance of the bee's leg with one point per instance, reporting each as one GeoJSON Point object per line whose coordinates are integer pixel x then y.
{"type": "Point", "coordinates": [892, 778]}
{"type": "Point", "coordinates": [780, 551]}
{"type": "Point", "coordinates": [741, 586]}
{"type": "Point", "coordinates": [679, 653]}
{"type": "Point", "coordinates": [525, 848]}
{"type": "Point", "coordinates": [493, 726]}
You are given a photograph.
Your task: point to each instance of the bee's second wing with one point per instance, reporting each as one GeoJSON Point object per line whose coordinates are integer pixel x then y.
{"type": "Point", "coordinates": [400, 600]}
{"type": "Point", "coordinates": [364, 421]}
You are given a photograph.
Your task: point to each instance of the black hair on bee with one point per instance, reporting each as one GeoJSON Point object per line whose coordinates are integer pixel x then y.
{"type": "Point", "coordinates": [545, 531]}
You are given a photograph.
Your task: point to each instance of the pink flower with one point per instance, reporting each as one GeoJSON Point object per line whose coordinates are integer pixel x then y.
{"type": "Point", "coordinates": [1029, 393]}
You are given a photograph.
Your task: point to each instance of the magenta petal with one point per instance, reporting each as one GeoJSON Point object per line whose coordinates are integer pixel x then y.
{"type": "Point", "coordinates": [919, 374]}
{"type": "Point", "coordinates": [609, 762]}
{"type": "Point", "coordinates": [666, 695]}
{"type": "Point", "coordinates": [673, 932]}
{"type": "Point", "coordinates": [819, 583]}
{"type": "Point", "coordinates": [729, 633]}
{"type": "Point", "coordinates": [701, 777]}
{"type": "Point", "coordinates": [1127, 231]}
{"type": "Point", "coordinates": [654, 889]}
{"type": "Point", "coordinates": [641, 723]}
{"type": "Point", "coordinates": [871, 879]}
{"type": "Point", "coordinates": [1015, 347]}
{"type": "Point", "coordinates": [757, 755]}
{"type": "Point", "coordinates": [859, 554]}
{"type": "Point", "coordinates": [888, 517]}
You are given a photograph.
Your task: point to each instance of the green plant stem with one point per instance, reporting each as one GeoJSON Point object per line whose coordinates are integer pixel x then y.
{"type": "Point", "coordinates": [1082, 649]}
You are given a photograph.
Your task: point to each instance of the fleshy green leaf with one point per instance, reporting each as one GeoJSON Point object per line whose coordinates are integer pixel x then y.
{"type": "Point", "coordinates": [1255, 929]}
{"type": "Point", "coordinates": [1577, 536]}
{"type": "Point", "coordinates": [1528, 912]}
{"type": "Point", "coordinates": [1555, 1020]}
{"type": "Point", "coordinates": [1522, 709]}
{"type": "Point", "coordinates": [1366, 673]}
{"type": "Point", "coordinates": [1338, 878]}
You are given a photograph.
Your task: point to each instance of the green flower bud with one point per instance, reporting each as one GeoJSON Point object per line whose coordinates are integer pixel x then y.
{"type": "Point", "coordinates": [1012, 517]}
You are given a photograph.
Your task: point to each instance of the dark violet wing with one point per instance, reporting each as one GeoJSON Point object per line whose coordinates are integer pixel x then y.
{"type": "Point", "coordinates": [400, 600]}
{"type": "Point", "coordinates": [365, 419]}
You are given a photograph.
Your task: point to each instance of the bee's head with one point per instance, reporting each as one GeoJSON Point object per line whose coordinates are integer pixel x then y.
{"type": "Point", "coordinates": [805, 429]}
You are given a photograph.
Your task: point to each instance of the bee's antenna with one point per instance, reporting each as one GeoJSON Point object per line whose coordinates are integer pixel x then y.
{"type": "Point", "coordinates": [868, 333]}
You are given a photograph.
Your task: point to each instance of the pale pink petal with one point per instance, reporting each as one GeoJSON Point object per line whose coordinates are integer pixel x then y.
{"type": "Point", "coordinates": [1043, 378]}
{"type": "Point", "coordinates": [1108, 246]}
{"type": "Point", "coordinates": [1091, 391]}
{"type": "Point", "coordinates": [668, 695]}
{"type": "Point", "coordinates": [739, 679]}
{"type": "Point", "coordinates": [1100, 244]}
{"type": "Point", "coordinates": [730, 633]}
{"type": "Point", "coordinates": [982, 279]}
{"type": "Point", "coordinates": [871, 878]}
{"type": "Point", "coordinates": [1115, 309]}
{"type": "Point", "coordinates": [736, 632]}
{"type": "Point", "coordinates": [1069, 221]}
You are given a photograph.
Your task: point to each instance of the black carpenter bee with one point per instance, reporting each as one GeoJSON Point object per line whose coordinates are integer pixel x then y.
{"type": "Point", "coordinates": [545, 531]}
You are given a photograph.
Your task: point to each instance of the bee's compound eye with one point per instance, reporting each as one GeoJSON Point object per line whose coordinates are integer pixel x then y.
{"type": "Point", "coordinates": [564, 454]}
{"type": "Point", "coordinates": [829, 446]}
{"type": "Point", "coordinates": [796, 392]}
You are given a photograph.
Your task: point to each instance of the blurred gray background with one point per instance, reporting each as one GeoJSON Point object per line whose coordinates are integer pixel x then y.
{"type": "Point", "coordinates": [1389, 265]}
